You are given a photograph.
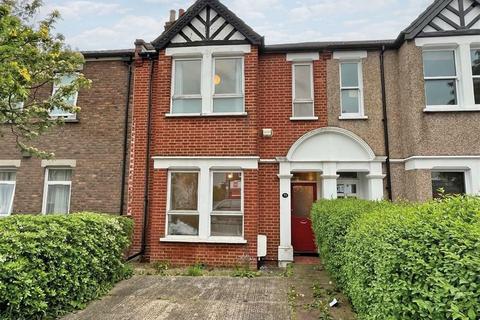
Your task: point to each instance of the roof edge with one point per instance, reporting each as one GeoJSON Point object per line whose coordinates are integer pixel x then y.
{"type": "Point", "coordinates": [93, 54]}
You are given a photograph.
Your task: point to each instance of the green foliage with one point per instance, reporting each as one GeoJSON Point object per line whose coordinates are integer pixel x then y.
{"type": "Point", "coordinates": [331, 220]}
{"type": "Point", "coordinates": [414, 261]}
{"type": "Point", "coordinates": [195, 271]}
{"type": "Point", "coordinates": [161, 267]}
{"type": "Point", "coordinates": [245, 272]}
{"type": "Point", "coordinates": [32, 58]}
{"type": "Point", "coordinates": [51, 265]}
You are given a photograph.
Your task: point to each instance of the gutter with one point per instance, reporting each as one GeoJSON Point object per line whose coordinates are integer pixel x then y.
{"type": "Point", "coordinates": [125, 137]}
{"type": "Point", "coordinates": [146, 203]}
{"type": "Point", "coordinates": [385, 124]}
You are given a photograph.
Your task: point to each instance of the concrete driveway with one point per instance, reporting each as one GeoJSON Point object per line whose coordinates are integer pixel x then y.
{"type": "Point", "coordinates": [177, 298]}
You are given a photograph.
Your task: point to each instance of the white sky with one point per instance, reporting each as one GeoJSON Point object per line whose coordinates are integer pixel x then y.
{"type": "Point", "coordinates": [101, 24]}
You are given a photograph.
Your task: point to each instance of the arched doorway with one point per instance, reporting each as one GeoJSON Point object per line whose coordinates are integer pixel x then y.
{"type": "Point", "coordinates": [342, 163]}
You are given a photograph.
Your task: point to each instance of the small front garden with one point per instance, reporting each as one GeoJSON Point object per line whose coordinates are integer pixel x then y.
{"type": "Point", "coordinates": [52, 265]}
{"type": "Point", "coordinates": [403, 261]}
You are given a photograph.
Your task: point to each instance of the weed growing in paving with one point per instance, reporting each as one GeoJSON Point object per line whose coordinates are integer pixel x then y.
{"type": "Point", "coordinates": [161, 267]}
{"type": "Point", "coordinates": [245, 272]}
{"type": "Point", "coordinates": [288, 271]}
{"type": "Point", "coordinates": [195, 271]}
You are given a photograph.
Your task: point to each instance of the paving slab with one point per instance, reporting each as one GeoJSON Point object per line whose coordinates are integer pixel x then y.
{"type": "Point", "coordinates": [189, 298]}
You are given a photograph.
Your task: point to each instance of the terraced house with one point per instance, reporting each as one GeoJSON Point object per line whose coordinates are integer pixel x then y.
{"type": "Point", "coordinates": [232, 140]}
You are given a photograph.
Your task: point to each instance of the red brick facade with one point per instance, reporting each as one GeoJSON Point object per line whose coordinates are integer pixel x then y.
{"type": "Point", "coordinates": [268, 104]}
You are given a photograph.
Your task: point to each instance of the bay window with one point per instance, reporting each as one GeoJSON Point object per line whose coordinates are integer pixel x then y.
{"type": "Point", "coordinates": [227, 213]}
{"type": "Point", "coordinates": [7, 191]}
{"type": "Point", "coordinates": [187, 97]}
{"type": "Point", "coordinates": [57, 191]}
{"type": "Point", "coordinates": [183, 215]}
{"type": "Point", "coordinates": [441, 80]}
{"type": "Point", "coordinates": [303, 100]}
{"type": "Point", "coordinates": [351, 89]}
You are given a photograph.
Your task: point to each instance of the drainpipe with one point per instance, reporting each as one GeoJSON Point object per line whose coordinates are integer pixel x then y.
{"type": "Point", "coordinates": [146, 206]}
{"type": "Point", "coordinates": [385, 124]}
{"type": "Point", "coordinates": [125, 137]}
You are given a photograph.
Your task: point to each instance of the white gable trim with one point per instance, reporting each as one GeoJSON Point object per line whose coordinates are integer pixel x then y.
{"type": "Point", "coordinates": [204, 50]}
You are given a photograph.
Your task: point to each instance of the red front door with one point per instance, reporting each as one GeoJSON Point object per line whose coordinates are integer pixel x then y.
{"type": "Point", "coordinates": [303, 197]}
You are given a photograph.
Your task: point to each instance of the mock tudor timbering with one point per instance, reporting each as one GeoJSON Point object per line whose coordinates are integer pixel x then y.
{"type": "Point", "coordinates": [365, 119]}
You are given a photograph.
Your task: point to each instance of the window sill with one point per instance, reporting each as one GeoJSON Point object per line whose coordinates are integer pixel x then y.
{"type": "Point", "coordinates": [303, 118]}
{"type": "Point", "coordinates": [217, 240]}
{"type": "Point", "coordinates": [451, 109]}
{"type": "Point", "coordinates": [196, 115]}
{"type": "Point", "coordinates": [66, 120]}
{"type": "Point", "coordinates": [353, 117]}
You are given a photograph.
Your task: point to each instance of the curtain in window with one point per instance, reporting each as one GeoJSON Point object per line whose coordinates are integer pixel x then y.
{"type": "Point", "coordinates": [6, 194]}
{"type": "Point", "coordinates": [58, 199]}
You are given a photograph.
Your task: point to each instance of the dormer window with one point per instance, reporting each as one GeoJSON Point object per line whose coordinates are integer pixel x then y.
{"type": "Point", "coordinates": [208, 81]}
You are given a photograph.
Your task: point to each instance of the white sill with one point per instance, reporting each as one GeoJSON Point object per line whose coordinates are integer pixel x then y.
{"type": "Point", "coordinates": [218, 240]}
{"type": "Point", "coordinates": [353, 117]}
{"type": "Point", "coordinates": [303, 118]}
{"type": "Point", "coordinates": [186, 115]}
{"type": "Point", "coordinates": [451, 109]}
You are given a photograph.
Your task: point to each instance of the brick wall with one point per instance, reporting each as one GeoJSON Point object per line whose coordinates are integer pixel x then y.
{"type": "Point", "coordinates": [95, 142]}
{"type": "Point", "coordinates": [268, 101]}
{"type": "Point", "coordinates": [275, 103]}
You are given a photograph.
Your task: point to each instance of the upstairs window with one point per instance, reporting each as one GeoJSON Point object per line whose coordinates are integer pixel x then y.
{"type": "Point", "coordinates": [58, 184]}
{"type": "Point", "coordinates": [303, 101]}
{"type": "Point", "coordinates": [441, 79]}
{"type": "Point", "coordinates": [475, 54]}
{"type": "Point", "coordinates": [228, 85]}
{"type": "Point", "coordinates": [210, 85]}
{"type": "Point", "coordinates": [187, 96]}
{"type": "Point", "coordinates": [71, 100]}
{"type": "Point", "coordinates": [7, 191]}
{"type": "Point", "coordinates": [351, 89]}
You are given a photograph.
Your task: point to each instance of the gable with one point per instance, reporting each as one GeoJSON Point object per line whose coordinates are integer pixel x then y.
{"type": "Point", "coordinates": [208, 26]}
{"type": "Point", "coordinates": [207, 22]}
{"type": "Point", "coordinates": [445, 17]}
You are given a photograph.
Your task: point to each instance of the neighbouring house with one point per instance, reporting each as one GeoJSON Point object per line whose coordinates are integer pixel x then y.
{"type": "Point", "coordinates": [232, 139]}
{"type": "Point", "coordinates": [91, 149]}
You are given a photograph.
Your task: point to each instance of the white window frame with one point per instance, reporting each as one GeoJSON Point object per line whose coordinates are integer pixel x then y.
{"type": "Point", "coordinates": [463, 46]}
{"type": "Point", "coordinates": [49, 183]}
{"type": "Point", "coordinates": [65, 115]}
{"type": "Point", "coordinates": [227, 213]}
{"type": "Point", "coordinates": [457, 78]}
{"type": "Point", "coordinates": [207, 54]}
{"type": "Point", "coordinates": [14, 183]}
{"type": "Point", "coordinates": [312, 93]}
{"type": "Point", "coordinates": [361, 105]}
{"type": "Point", "coordinates": [185, 97]}
{"type": "Point", "coordinates": [226, 96]}
{"type": "Point", "coordinates": [182, 212]}
{"type": "Point", "coordinates": [474, 47]}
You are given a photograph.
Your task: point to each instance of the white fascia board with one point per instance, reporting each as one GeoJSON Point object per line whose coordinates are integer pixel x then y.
{"type": "Point", "coordinates": [202, 50]}
{"type": "Point", "coordinates": [447, 41]}
{"type": "Point", "coordinates": [10, 163]}
{"type": "Point", "coordinates": [350, 55]}
{"type": "Point", "coordinates": [59, 163]}
{"type": "Point", "coordinates": [213, 163]}
{"type": "Point", "coordinates": [303, 57]}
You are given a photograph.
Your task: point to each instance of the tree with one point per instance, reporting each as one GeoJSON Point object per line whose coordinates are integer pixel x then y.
{"type": "Point", "coordinates": [32, 60]}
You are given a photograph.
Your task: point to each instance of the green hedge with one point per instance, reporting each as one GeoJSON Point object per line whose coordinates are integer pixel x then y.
{"type": "Point", "coordinates": [51, 265]}
{"type": "Point", "coordinates": [410, 261]}
{"type": "Point", "coordinates": [331, 220]}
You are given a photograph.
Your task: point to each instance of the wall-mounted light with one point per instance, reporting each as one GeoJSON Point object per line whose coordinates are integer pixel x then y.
{"type": "Point", "coordinates": [217, 79]}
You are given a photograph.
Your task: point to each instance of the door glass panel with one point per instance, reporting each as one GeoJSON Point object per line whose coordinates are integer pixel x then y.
{"type": "Point", "coordinates": [302, 200]}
